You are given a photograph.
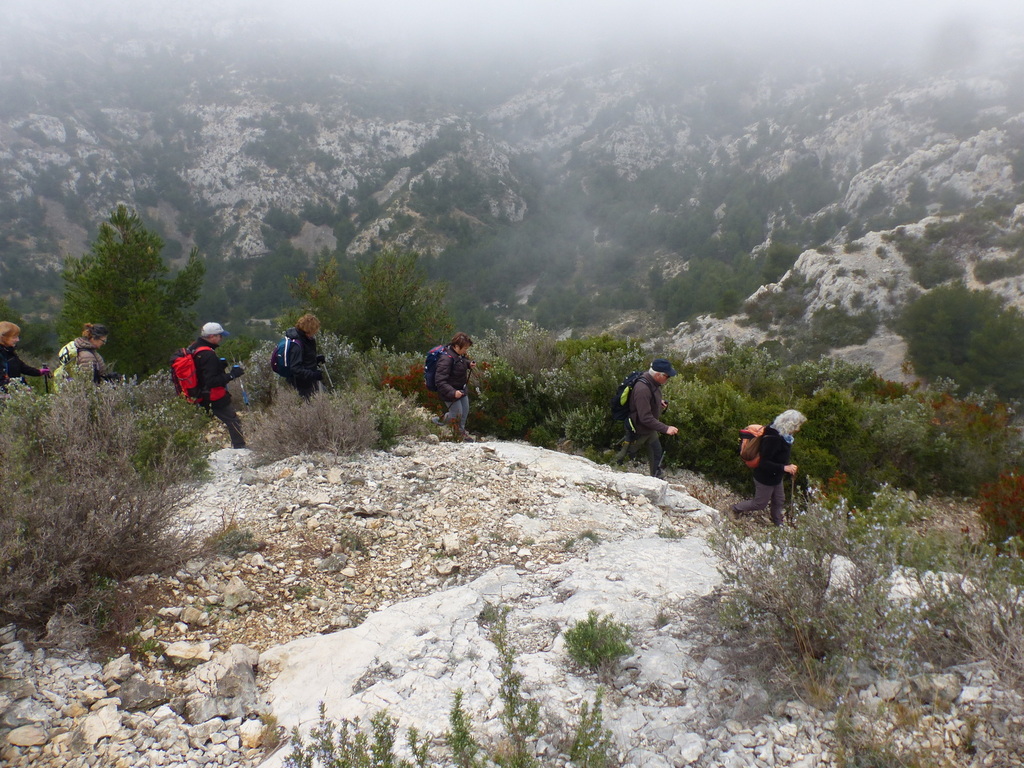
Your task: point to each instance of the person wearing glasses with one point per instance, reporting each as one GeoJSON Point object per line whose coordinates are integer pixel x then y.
{"type": "Point", "coordinates": [84, 352]}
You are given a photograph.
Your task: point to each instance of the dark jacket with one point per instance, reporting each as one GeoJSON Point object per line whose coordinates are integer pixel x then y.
{"type": "Point", "coordinates": [451, 374]}
{"type": "Point", "coordinates": [305, 372]}
{"type": "Point", "coordinates": [645, 407]}
{"type": "Point", "coordinates": [775, 452]}
{"type": "Point", "coordinates": [12, 367]}
{"type": "Point", "coordinates": [211, 371]}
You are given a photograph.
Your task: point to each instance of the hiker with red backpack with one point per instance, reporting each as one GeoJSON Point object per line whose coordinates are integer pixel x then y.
{"type": "Point", "coordinates": [451, 379]}
{"type": "Point", "coordinates": [212, 379]}
{"type": "Point", "coordinates": [772, 466]}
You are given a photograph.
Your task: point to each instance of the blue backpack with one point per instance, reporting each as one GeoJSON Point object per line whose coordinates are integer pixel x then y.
{"type": "Point", "coordinates": [284, 355]}
{"type": "Point", "coordinates": [430, 366]}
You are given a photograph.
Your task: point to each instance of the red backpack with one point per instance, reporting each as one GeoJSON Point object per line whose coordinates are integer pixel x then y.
{"type": "Point", "coordinates": [184, 374]}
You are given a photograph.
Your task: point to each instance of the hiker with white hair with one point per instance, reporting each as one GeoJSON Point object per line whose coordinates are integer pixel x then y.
{"type": "Point", "coordinates": [773, 466]}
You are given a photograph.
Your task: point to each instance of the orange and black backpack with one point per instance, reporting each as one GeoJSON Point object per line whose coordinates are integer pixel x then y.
{"type": "Point", "coordinates": [750, 444]}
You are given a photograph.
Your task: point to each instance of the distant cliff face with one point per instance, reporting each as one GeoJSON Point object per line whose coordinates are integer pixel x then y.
{"type": "Point", "coordinates": [233, 149]}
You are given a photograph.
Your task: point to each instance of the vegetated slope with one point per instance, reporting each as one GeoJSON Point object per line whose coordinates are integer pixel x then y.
{"type": "Point", "coordinates": [675, 184]}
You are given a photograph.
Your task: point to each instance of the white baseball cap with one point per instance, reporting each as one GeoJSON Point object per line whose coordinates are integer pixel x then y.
{"type": "Point", "coordinates": [214, 329]}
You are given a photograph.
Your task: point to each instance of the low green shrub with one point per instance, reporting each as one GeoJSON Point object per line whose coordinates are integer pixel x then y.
{"type": "Point", "coordinates": [346, 745]}
{"type": "Point", "coordinates": [233, 541]}
{"type": "Point", "coordinates": [394, 416]}
{"type": "Point", "coordinates": [598, 642]}
{"type": "Point", "coordinates": [816, 592]}
{"type": "Point", "coordinates": [589, 425]}
{"type": "Point", "coordinates": [592, 743]}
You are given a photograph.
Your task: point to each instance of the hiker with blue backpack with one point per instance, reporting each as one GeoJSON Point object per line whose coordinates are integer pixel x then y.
{"type": "Point", "coordinates": [644, 427]}
{"type": "Point", "coordinates": [296, 358]}
{"type": "Point", "coordinates": [213, 377]}
{"type": "Point", "coordinates": [450, 376]}
{"type": "Point", "coordinates": [772, 466]}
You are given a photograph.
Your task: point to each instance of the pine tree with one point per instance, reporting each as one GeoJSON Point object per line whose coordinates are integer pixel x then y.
{"type": "Point", "coordinates": [393, 302]}
{"type": "Point", "coordinates": [124, 284]}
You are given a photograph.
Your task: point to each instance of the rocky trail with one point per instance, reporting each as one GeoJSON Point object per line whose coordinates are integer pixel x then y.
{"type": "Point", "coordinates": [360, 582]}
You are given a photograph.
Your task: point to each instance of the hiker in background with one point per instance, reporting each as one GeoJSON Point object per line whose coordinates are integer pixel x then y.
{"type": "Point", "coordinates": [451, 379]}
{"type": "Point", "coordinates": [87, 355]}
{"type": "Point", "coordinates": [213, 379]}
{"type": "Point", "coordinates": [644, 427]}
{"type": "Point", "coordinates": [776, 446]}
{"type": "Point", "coordinates": [11, 366]}
{"type": "Point", "coordinates": [305, 371]}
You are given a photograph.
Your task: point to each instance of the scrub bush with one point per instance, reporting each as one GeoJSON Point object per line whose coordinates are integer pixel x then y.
{"type": "Point", "coordinates": [329, 423]}
{"type": "Point", "coordinates": [93, 480]}
{"type": "Point", "coordinates": [1002, 508]}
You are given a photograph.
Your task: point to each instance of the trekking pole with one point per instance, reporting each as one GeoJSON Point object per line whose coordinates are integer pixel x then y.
{"type": "Point", "coordinates": [241, 386]}
{"type": "Point", "coordinates": [792, 497]}
{"type": "Point", "coordinates": [328, 375]}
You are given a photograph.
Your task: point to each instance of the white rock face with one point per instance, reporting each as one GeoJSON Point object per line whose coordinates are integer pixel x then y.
{"type": "Point", "coordinates": [425, 649]}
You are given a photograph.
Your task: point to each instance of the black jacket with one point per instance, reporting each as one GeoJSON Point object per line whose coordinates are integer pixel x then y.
{"type": "Point", "coordinates": [305, 372]}
{"type": "Point", "coordinates": [211, 370]}
{"type": "Point", "coordinates": [451, 374]}
{"type": "Point", "coordinates": [775, 452]}
{"type": "Point", "coordinates": [12, 367]}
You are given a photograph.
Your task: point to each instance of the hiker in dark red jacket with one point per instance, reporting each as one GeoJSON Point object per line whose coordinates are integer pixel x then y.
{"type": "Point", "coordinates": [771, 470]}
{"type": "Point", "coordinates": [452, 378]}
{"type": "Point", "coordinates": [213, 380]}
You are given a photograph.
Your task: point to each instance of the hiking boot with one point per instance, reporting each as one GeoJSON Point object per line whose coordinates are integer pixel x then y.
{"type": "Point", "coordinates": [466, 437]}
{"type": "Point", "coordinates": [437, 420]}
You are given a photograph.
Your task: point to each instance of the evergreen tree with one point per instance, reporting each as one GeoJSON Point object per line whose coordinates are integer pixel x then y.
{"type": "Point", "coordinates": [393, 302]}
{"type": "Point", "coordinates": [124, 284]}
{"type": "Point", "coordinates": [967, 336]}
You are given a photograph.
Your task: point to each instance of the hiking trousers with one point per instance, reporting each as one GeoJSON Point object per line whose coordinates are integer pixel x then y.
{"type": "Point", "coordinates": [222, 410]}
{"type": "Point", "coordinates": [458, 410]}
{"type": "Point", "coordinates": [654, 451]}
{"type": "Point", "coordinates": [773, 496]}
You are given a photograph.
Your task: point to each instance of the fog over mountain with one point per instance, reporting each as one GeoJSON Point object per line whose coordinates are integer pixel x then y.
{"type": "Point", "coordinates": [590, 166]}
{"type": "Point", "coordinates": [879, 29]}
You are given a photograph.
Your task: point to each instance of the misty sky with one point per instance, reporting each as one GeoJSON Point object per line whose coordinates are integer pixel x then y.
{"type": "Point", "coordinates": [888, 27]}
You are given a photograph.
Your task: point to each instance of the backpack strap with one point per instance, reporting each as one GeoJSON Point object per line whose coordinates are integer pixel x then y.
{"type": "Point", "coordinates": [287, 348]}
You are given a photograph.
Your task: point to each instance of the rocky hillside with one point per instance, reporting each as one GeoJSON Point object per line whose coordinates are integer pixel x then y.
{"type": "Point", "coordinates": [369, 590]}
{"type": "Point", "coordinates": [869, 278]}
{"type": "Point", "coordinates": [624, 190]}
